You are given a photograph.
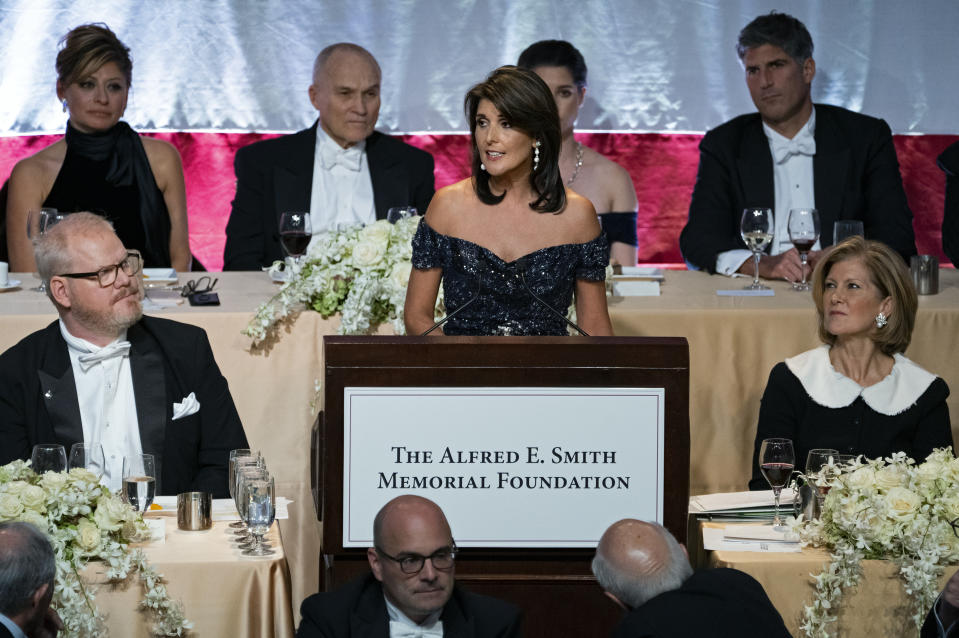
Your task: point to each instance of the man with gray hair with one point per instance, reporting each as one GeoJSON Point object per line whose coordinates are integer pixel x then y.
{"type": "Point", "coordinates": [103, 373]}
{"type": "Point", "coordinates": [27, 571]}
{"type": "Point", "coordinates": [644, 570]}
{"type": "Point", "coordinates": [340, 170]}
{"type": "Point", "coordinates": [791, 154]}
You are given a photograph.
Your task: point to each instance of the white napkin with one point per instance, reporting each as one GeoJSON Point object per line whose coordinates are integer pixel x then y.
{"type": "Point", "coordinates": [187, 406]}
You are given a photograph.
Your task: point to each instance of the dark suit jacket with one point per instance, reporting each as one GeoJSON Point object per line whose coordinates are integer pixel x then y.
{"type": "Point", "coordinates": [712, 602]}
{"type": "Point", "coordinates": [276, 175]}
{"type": "Point", "coordinates": [4, 632]}
{"type": "Point", "coordinates": [358, 610]}
{"type": "Point", "coordinates": [855, 176]}
{"type": "Point", "coordinates": [168, 361]}
{"type": "Point", "coordinates": [949, 163]}
{"type": "Point", "coordinates": [930, 628]}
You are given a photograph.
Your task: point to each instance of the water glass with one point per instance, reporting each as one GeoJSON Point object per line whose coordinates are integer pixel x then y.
{"type": "Point", "coordinates": [846, 228]}
{"type": "Point", "coordinates": [139, 481]}
{"type": "Point", "coordinates": [48, 457]}
{"type": "Point", "coordinates": [259, 512]}
{"type": "Point", "coordinates": [239, 453]}
{"type": "Point", "coordinates": [88, 456]}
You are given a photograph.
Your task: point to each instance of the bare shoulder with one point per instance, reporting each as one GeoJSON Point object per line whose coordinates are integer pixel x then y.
{"type": "Point", "coordinates": [614, 180]}
{"type": "Point", "coordinates": [581, 221]}
{"type": "Point", "coordinates": [160, 153]}
{"type": "Point", "coordinates": [46, 161]}
{"type": "Point", "coordinates": [446, 202]}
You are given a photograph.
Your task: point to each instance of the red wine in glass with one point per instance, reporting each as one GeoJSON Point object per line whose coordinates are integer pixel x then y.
{"type": "Point", "coordinates": [776, 461]}
{"type": "Point", "coordinates": [295, 242]}
{"type": "Point", "coordinates": [295, 234]}
{"type": "Point", "coordinates": [803, 228]}
{"type": "Point", "coordinates": [777, 473]}
{"type": "Point", "coordinates": [804, 245]}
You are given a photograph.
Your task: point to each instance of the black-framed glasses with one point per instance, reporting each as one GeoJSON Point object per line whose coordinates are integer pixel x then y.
{"type": "Point", "coordinates": [198, 286]}
{"type": "Point", "coordinates": [108, 274]}
{"type": "Point", "coordinates": [441, 559]}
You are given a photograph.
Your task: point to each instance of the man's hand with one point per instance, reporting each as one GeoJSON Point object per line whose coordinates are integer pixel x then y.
{"type": "Point", "coordinates": [782, 266]}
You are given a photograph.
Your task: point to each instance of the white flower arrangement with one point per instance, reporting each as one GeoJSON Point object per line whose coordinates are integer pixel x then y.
{"type": "Point", "coordinates": [359, 271]}
{"type": "Point", "coordinates": [85, 522]}
{"type": "Point", "coordinates": [890, 509]}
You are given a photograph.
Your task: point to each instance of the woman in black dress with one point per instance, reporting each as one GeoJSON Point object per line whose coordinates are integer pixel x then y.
{"type": "Point", "coordinates": [512, 232]}
{"type": "Point", "coordinates": [102, 165]}
{"type": "Point", "coordinates": [857, 393]}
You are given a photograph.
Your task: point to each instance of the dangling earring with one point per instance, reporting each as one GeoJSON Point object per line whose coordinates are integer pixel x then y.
{"type": "Point", "coordinates": [64, 102]}
{"type": "Point", "coordinates": [881, 320]}
{"type": "Point", "coordinates": [535, 156]}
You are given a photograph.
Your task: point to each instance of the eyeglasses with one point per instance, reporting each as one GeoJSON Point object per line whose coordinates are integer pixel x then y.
{"type": "Point", "coordinates": [441, 559]}
{"type": "Point", "coordinates": [198, 286]}
{"type": "Point", "coordinates": [108, 274]}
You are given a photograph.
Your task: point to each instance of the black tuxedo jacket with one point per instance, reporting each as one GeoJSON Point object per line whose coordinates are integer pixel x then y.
{"type": "Point", "coordinates": [930, 628]}
{"type": "Point", "coordinates": [276, 175]}
{"type": "Point", "coordinates": [724, 603]}
{"type": "Point", "coordinates": [358, 610]}
{"type": "Point", "coordinates": [168, 361]}
{"type": "Point", "coordinates": [4, 632]}
{"type": "Point", "coordinates": [855, 176]}
{"type": "Point", "coordinates": [949, 163]}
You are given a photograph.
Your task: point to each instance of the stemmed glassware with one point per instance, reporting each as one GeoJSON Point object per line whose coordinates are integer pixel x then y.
{"type": "Point", "coordinates": [816, 475]}
{"type": "Point", "coordinates": [139, 481]}
{"type": "Point", "coordinates": [88, 456]}
{"type": "Point", "coordinates": [756, 229]}
{"type": "Point", "coordinates": [295, 234]}
{"type": "Point", "coordinates": [48, 457]}
{"type": "Point", "coordinates": [235, 455]}
{"type": "Point", "coordinates": [397, 213]}
{"type": "Point", "coordinates": [259, 511]}
{"type": "Point", "coordinates": [777, 459]}
{"type": "Point", "coordinates": [39, 223]}
{"type": "Point", "coordinates": [803, 226]}
{"type": "Point", "coordinates": [846, 228]}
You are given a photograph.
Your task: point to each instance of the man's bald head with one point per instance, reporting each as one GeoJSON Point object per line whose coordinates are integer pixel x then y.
{"type": "Point", "coordinates": [341, 49]}
{"type": "Point", "coordinates": [636, 561]}
{"type": "Point", "coordinates": [408, 510]}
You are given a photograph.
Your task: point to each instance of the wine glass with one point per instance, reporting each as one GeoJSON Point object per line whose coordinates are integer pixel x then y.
{"type": "Point", "coordinates": [88, 456]}
{"type": "Point", "coordinates": [756, 229]}
{"type": "Point", "coordinates": [816, 478]}
{"type": "Point", "coordinates": [803, 226]}
{"type": "Point", "coordinates": [139, 481]}
{"type": "Point", "coordinates": [239, 453]}
{"type": "Point", "coordinates": [242, 465]}
{"type": "Point", "coordinates": [48, 457]}
{"type": "Point", "coordinates": [846, 228]}
{"type": "Point", "coordinates": [295, 234]}
{"type": "Point", "coordinates": [245, 537]}
{"type": "Point", "coordinates": [397, 213]}
{"type": "Point", "coordinates": [37, 224]}
{"type": "Point", "coordinates": [777, 461]}
{"type": "Point", "coordinates": [259, 496]}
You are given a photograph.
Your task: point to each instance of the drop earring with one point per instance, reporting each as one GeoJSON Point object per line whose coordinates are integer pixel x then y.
{"type": "Point", "coordinates": [64, 102]}
{"type": "Point", "coordinates": [881, 320]}
{"type": "Point", "coordinates": [536, 155]}
{"type": "Point", "coordinates": [482, 167]}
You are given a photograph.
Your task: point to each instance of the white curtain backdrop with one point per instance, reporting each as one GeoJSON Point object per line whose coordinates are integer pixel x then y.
{"type": "Point", "coordinates": [654, 65]}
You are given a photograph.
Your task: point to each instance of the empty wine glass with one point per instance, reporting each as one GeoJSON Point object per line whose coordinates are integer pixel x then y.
{"type": "Point", "coordinates": [239, 453]}
{"type": "Point", "coordinates": [777, 461]}
{"type": "Point", "coordinates": [88, 456]}
{"type": "Point", "coordinates": [38, 222]}
{"type": "Point", "coordinates": [756, 229]}
{"type": "Point", "coordinates": [816, 460]}
{"type": "Point", "coordinates": [139, 481]}
{"type": "Point", "coordinates": [48, 457]}
{"type": "Point", "coordinates": [397, 213]}
{"type": "Point", "coordinates": [803, 226]}
{"type": "Point", "coordinates": [259, 497]}
{"type": "Point", "coordinates": [846, 228]}
{"type": "Point", "coordinates": [295, 234]}
{"type": "Point", "coordinates": [244, 465]}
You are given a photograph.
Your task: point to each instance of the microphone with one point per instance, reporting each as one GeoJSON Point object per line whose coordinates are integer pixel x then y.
{"type": "Point", "coordinates": [521, 269]}
{"type": "Point", "coordinates": [479, 289]}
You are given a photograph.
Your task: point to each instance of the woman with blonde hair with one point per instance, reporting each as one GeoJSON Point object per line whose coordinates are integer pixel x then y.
{"type": "Point", "coordinates": [857, 393]}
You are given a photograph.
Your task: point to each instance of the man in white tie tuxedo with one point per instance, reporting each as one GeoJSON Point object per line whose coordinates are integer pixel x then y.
{"type": "Point", "coordinates": [410, 592]}
{"type": "Point", "coordinates": [103, 373]}
{"type": "Point", "coordinates": [340, 169]}
{"type": "Point", "coordinates": [791, 154]}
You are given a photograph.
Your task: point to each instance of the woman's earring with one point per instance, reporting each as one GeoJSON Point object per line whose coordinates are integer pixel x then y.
{"type": "Point", "coordinates": [64, 102]}
{"type": "Point", "coordinates": [536, 155]}
{"type": "Point", "coordinates": [881, 320]}
{"type": "Point", "coordinates": [482, 167]}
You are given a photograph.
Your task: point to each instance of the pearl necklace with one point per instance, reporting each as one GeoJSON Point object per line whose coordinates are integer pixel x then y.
{"type": "Point", "coordinates": [579, 164]}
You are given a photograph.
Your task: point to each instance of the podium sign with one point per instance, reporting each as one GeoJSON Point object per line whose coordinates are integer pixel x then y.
{"type": "Point", "coordinates": [559, 464]}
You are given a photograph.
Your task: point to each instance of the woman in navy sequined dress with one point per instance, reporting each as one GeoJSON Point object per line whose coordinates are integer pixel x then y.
{"type": "Point", "coordinates": [510, 244]}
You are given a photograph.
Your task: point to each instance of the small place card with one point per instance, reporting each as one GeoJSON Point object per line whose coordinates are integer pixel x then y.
{"type": "Point", "coordinates": [635, 288]}
{"type": "Point", "coordinates": [746, 293]}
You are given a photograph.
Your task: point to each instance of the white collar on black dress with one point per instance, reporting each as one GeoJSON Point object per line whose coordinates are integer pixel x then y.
{"type": "Point", "coordinates": [899, 390]}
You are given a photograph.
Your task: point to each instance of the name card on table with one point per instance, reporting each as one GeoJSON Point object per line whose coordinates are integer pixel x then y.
{"type": "Point", "coordinates": [511, 467]}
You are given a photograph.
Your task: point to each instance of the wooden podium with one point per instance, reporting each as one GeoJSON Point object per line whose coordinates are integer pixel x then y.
{"type": "Point", "coordinates": [554, 587]}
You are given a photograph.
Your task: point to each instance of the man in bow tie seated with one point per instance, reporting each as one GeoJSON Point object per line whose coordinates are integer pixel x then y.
{"type": "Point", "coordinates": [104, 373]}
{"type": "Point", "coordinates": [791, 154]}
{"type": "Point", "coordinates": [644, 570]}
{"type": "Point", "coordinates": [411, 591]}
{"type": "Point", "coordinates": [339, 169]}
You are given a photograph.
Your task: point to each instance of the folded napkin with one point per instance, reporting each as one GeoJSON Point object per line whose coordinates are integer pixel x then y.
{"type": "Point", "coordinates": [187, 406]}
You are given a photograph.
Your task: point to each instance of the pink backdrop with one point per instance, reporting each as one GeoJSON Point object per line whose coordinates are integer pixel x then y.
{"type": "Point", "coordinates": [663, 168]}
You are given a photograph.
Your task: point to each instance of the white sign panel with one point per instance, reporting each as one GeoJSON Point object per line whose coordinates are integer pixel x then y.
{"type": "Point", "coordinates": [511, 467]}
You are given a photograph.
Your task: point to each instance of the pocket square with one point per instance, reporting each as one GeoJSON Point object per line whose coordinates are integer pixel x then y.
{"type": "Point", "coordinates": [189, 405]}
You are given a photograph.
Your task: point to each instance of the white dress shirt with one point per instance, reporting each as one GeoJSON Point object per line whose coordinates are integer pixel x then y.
{"type": "Point", "coordinates": [793, 187]}
{"type": "Point", "coordinates": [342, 187]}
{"type": "Point", "coordinates": [402, 627]}
{"type": "Point", "coordinates": [108, 411]}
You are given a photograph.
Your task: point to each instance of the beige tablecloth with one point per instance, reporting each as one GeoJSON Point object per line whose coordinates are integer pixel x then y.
{"type": "Point", "coordinates": [734, 343]}
{"type": "Point", "coordinates": [223, 593]}
{"type": "Point", "coordinates": [879, 606]}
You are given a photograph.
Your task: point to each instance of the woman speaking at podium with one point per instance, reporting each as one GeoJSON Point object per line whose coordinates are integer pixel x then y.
{"type": "Point", "coordinates": [510, 243]}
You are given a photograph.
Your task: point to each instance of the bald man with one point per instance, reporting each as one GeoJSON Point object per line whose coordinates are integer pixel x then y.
{"type": "Point", "coordinates": [411, 590]}
{"type": "Point", "coordinates": [339, 169]}
{"type": "Point", "coordinates": [646, 571]}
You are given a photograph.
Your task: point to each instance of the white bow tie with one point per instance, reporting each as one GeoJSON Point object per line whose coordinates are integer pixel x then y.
{"type": "Point", "coordinates": [115, 349]}
{"type": "Point", "coordinates": [799, 145]}
{"type": "Point", "coordinates": [402, 630]}
{"type": "Point", "coordinates": [348, 158]}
